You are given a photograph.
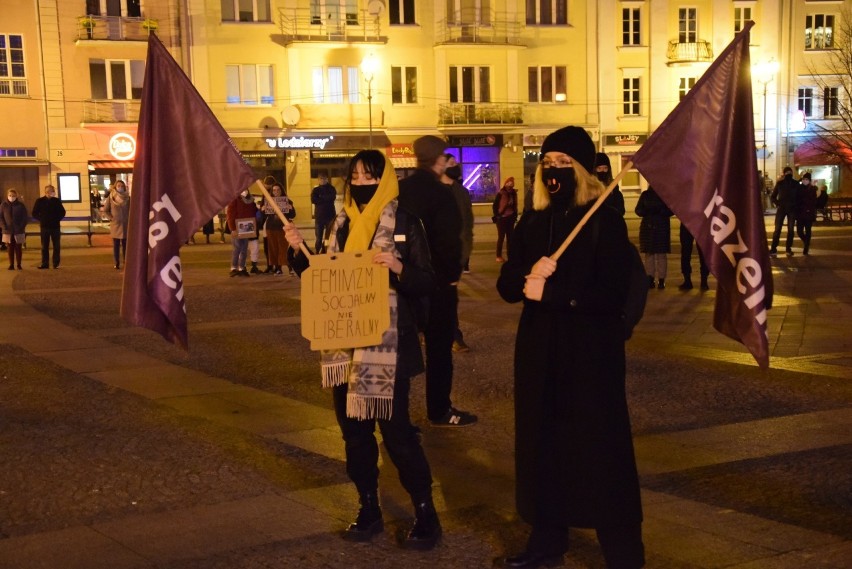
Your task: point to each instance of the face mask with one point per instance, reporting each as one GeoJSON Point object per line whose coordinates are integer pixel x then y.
{"type": "Point", "coordinates": [788, 176]}
{"type": "Point", "coordinates": [120, 190]}
{"type": "Point", "coordinates": [454, 172]}
{"type": "Point", "coordinates": [363, 194]}
{"type": "Point", "coordinates": [12, 198]}
{"type": "Point", "coordinates": [602, 176]}
{"type": "Point", "coordinates": [559, 180]}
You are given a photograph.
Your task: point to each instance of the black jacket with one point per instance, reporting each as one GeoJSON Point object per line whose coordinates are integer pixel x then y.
{"type": "Point", "coordinates": [785, 193]}
{"type": "Point", "coordinates": [13, 217]}
{"type": "Point", "coordinates": [48, 211]}
{"type": "Point", "coordinates": [426, 197]}
{"type": "Point", "coordinates": [416, 281]}
{"type": "Point", "coordinates": [655, 233]}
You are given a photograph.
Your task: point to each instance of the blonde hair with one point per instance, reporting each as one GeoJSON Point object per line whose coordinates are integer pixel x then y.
{"type": "Point", "coordinates": [588, 188]}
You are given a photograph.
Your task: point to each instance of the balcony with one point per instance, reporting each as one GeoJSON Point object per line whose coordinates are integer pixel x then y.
{"type": "Point", "coordinates": [110, 111]}
{"type": "Point", "coordinates": [460, 114]}
{"type": "Point", "coordinates": [114, 28]}
{"type": "Point", "coordinates": [478, 27]}
{"type": "Point", "coordinates": [304, 25]}
{"type": "Point", "coordinates": [688, 52]}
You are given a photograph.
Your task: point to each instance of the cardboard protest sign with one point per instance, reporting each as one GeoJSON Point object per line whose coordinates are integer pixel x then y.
{"type": "Point", "coordinates": [344, 301]}
{"type": "Point", "coordinates": [246, 227]}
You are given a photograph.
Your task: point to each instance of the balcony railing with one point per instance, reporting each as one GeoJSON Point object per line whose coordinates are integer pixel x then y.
{"type": "Point", "coordinates": [689, 52]}
{"type": "Point", "coordinates": [480, 113]}
{"type": "Point", "coordinates": [305, 25]}
{"type": "Point", "coordinates": [480, 27]}
{"type": "Point", "coordinates": [114, 28]}
{"type": "Point", "coordinates": [110, 111]}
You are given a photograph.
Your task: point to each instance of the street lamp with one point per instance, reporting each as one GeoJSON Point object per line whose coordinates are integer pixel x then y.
{"type": "Point", "coordinates": [765, 73]}
{"type": "Point", "coordinates": [368, 69]}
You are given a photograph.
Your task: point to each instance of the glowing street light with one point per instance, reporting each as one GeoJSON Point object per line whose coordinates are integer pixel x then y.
{"type": "Point", "coordinates": [765, 73]}
{"type": "Point", "coordinates": [368, 68]}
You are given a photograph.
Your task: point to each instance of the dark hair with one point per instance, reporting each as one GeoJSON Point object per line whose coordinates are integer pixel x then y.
{"type": "Point", "coordinates": [374, 164]}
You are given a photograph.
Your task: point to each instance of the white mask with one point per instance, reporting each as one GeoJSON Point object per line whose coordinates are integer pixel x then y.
{"type": "Point", "coordinates": [13, 198]}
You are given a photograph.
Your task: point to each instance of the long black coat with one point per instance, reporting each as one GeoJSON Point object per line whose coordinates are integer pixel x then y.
{"type": "Point", "coordinates": [574, 456]}
{"type": "Point", "coordinates": [655, 233]}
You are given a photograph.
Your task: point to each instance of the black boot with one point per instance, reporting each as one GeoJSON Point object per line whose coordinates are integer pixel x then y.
{"type": "Point", "coordinates": [661, 284]}
{"type": "Point", "coordinates": [369, 521]}
{"type": "Point", "coordinates": [687, 283]}
{"type": "Point", "coordinates": [254, 269]}
{"type": "Point", "coordinates": [527, 560]}
{"type": "Point", "coordinates": [704, 284]}
{"type": "Point", "coordinates": [651, 282]}
{"type": "Point", "coordinates": [426, 532]}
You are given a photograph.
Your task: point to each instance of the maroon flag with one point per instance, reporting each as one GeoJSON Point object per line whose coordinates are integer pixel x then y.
{"type": "Point", "coordinates": [186, 170]}
{"type": "Point", "coordinates": [702, 163]}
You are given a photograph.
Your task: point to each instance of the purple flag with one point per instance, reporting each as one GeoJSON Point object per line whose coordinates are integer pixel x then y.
{"type": "Point", "coordinates": [186, 170]}
{"type": "Point", "coordinates": [702, 163]}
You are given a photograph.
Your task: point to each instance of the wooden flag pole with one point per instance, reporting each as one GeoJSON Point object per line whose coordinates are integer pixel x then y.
{"type": "Point", "coordinates": [271, 201]}
{"type": "Point", "coordinates": [592, 210]}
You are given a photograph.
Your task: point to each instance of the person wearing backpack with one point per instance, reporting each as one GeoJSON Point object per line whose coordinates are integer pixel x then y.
{"type": "Point", "coordinates": [574, 459]}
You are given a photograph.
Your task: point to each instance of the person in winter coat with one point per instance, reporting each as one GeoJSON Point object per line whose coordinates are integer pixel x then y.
{"type": "Point", "coordinates": [655, 235]}
{"type": "Point", "coordinates": [242, 207]}
{"type": "Point", "coordinates": [13, 223]}
{"type": "Point", "coordinates": [574, 460]}
{"type": "Point", "coordinates": [323, 197]}
{"type": "Point", "coordinates": [276, 244]}
{"type": "Point", "coordinates": [117, 209]}
{"type": "Point", "coordinates": [603, 171]}
{"type": "Point", "coordinates": [806, 208]}
{"type": "Point", "coordinates": [372, 384]}
{"type": "Point", "coordinates": [49, 211]}
{"type": "Point", "coordinates": [452, 179]}
{"type": "Point", "coordinates": [506, 215]}
{"type": "Point", "coordinates": [784, 197]}
{"type": "Point", "coordinates": [686, 244]}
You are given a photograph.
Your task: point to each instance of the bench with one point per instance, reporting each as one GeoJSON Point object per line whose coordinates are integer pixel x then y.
{"type": "Point", "coordinates": [838, 209]}
{"type": "Point", "coordinates": [88, 231]}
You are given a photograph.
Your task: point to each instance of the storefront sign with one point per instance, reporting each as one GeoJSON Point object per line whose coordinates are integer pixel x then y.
{"type": "Point", "coordinates": [122, 146]}
{"type": "Point", "coordinates": [400, 151]}
{"type": "Point", "coordinates": [624, 139]}
{"type": "Point", "coordinates": [475, 140]}
{"type": "Point", "coordinates": [299, 142]}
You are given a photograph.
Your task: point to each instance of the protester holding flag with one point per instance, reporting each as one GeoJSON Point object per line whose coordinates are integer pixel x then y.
{"type": "Point", "coordinates": [574, 460]}
{"type": "Point", "coordinates": [117, 209]}
{"type": "Point", "coordinates": [372, 219]}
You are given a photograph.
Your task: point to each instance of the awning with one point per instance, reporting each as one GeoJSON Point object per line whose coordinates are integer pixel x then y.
{"type": "Point", "coordinates": [111, 165]}
{"type": "Point", "coordinates": [816, 152]}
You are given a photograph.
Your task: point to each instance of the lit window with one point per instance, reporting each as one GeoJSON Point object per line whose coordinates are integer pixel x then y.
{"type": "Point", "coordinates": [329, 87]}
{"type": "Point", "coordinates": [249, 84]}
{"type": "Point", "coordinates": [819, 31]}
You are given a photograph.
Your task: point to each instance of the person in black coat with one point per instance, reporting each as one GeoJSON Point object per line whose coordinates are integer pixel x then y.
{"type": "Point", "coordinates": [784, 197]}
{"type": "Point", "coordinates": [372, 218]}
{"type": "Point", "coordinates": [323, 197]}
{"type": "Point", "coordinates": [13, 224]}
{"type": "Point", "coordinates": [574, 459]}
{"type": "Point", "coordinates": [425, 196]}
{"type": "Point", "coordinates": [603, 171]}
{"type": "Point", "coordinates": [49, 211]}
{"type": "Point", "coordinates": [655, 235]}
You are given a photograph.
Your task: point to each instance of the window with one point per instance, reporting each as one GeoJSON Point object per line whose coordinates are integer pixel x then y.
{"type": "Point", "coordinates": [129, 8]}
{"type": "Point", "coordinates": [329, 87]}
{"type": "Point", "coordinates": [249, 84]}
{"type": "Point", "coordinates": [13, 77]}
{"type": "Point", "coordinates": [819, 31]}
{"type": "Point", "coordinates": [831, 103]}
{"type": "Point", "coordinates": [547, 12]}
{"type": "Point", "coordinates": [630, 26]}
{"type": "Point", "coordinates": [334, 12]}
{"type": "Point", "coordinates": [480, 166]}
{"type": "Point", "coordinates": [116, 78]}
{"type": "Point", "coordinates": [403, 85]}
{"type": "Point", "coordinates": [686, 83]}
{"type": "Point", "coordinates": [245, 11]}
{"type": "Point", "coordinates": [687, 23]}
{"type": "Point", "coordinates": [401, 11]}
{"type": "Point", "coordinates": [741, 16]}
{"type": "Point", "coordinates": [469, 12]}
{"type": "Point", "coordinates": [806, 101]}
{"type": "Point", "coordinates": [17, 152]}
{"type": "Point", "coordinates": [548, 84]}
{"type": "Point", "coordinates": [630, 95]}
{"type": "Point", "coordinates": [470, 84]}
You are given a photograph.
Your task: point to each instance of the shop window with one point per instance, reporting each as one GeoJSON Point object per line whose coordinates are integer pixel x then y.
{"type": "Point", "coordinates": [819, 31]}
{"type": "Point", "coordinates": [684, 86]}
{"type": "Point", "coordinates": [630, 26]}
{"type": "Point", "coordinates": [13, 77]}
{"type": "Point", "coordinates": [741, 16]}
{"type": "Point", "coordinates": [249, 84]}
{"type": "Point", "coordinates": [548, 84]}
{"type": "Point", "coordinates": [806, 101]}
{"type": "Point", "coordinates": [245, 11]}
{"type": "Point", "coordinates": [547, 12]}
{"type": "Point", "coordinates": [687, 25]}
{"type": "Point", "coordinates": [403, 85]}
{"type": "Point", "coordinates": [401, 12]}
{"type": "Point", "coordinates": [116, 78]}
{"type": "Point", "coordinates": [480, 171]}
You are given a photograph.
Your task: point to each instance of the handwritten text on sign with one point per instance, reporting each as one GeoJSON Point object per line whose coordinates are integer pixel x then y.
{"type": "Point", "coordinates": [344, 301]}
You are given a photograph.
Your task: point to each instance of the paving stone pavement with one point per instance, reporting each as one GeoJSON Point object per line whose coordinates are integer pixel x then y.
{"type": "Point", "coordinates": [122, 451]}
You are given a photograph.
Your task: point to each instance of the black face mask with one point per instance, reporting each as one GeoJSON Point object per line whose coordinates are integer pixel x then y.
{"type": "Point", "coordinates": [363, 194]}
{"type": "Point", "coordinates": [603, 176]}
{"type": "Point", "coordinates": [454, 172]}
{"type": "Point", "coordinates": [560, 183]}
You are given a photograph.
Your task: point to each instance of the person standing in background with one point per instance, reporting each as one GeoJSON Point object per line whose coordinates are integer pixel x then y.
{"type": "Point", "coordinates": [242, 207]}
{"type": "Point", "coordinates": [323, 197]}
{"type": "Point", "coordinates": [452, 179]}
{"type": "Point", "coordinates": [49, 211]}
{"type": "Point", "coordinates": [603, 172]}
{"type": "Point", "coordinates": [277, 245]}
{"type": "Point", "coordinates": [686, 243]}
{"type": "Point", "coordinates": [506, 215]}
{"type": "Point", "coordinates": [117, 209]}
{"type": "Point", "coordinates": [806, 206]}
{"type": "Point", "coordinates": [784, 198]}
{"type": "Point", "coordinates": [13, 223]}
{"type": "Point", "coordinates": [655, 236]}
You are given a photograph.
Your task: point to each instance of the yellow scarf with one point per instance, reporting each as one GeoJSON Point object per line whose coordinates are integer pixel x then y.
{"type": "Point", "coordinates": [362, 224]}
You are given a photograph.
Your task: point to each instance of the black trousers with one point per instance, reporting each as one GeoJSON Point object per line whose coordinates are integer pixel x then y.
{"type": "Point", "coordinates": [686, 243]}
{"type": "Point", "coordinates": [401, 441]}
{"type": "Point", "coordinates": [49, 234]}
{"type": "Point", "coordinates": [621, 545]}
{"type": "Point", "coordinates": [782, 214]}
{"type": "Point", "coordinates": [440, 329]}
{"type": "Point", "coordinates": [803, 228]}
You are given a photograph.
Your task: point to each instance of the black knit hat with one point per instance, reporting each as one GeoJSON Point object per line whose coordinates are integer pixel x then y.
{"type": "Point", "coordinates": [573, 141]}
{"type": "Point", "coordinates": [427, 149]}
{"type": "Point", "coordinates": [602, 159]}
